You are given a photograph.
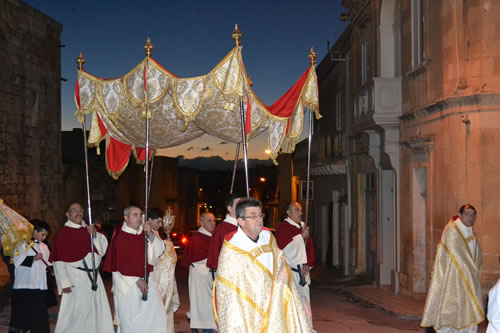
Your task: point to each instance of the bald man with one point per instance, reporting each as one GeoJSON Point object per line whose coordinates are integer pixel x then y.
{"type": "Point", "coordinates": [200, 281]}
{"type": "Point", "coordinates": [293, 239]}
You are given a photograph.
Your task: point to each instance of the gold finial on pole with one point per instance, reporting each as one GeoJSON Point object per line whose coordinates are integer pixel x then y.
{"type": "Point", "coordinates": [80, 61]}
{"type": "Point", "coordinates": [312, 57]}
{"type": "Point", "coordinates": [148, 47]}
{"type": "Point", "coordinates": [237, 36]}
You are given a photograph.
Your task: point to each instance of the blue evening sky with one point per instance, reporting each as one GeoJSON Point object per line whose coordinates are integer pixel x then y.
{"type": "Point", "coordinates": [190, 37]}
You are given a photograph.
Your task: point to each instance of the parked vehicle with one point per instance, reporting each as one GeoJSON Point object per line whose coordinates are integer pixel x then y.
{"type": "Point", "coordinates": [179, 240]}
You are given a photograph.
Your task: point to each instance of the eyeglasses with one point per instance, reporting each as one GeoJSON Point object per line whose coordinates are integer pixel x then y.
{"type": "Point", "coordinates": [254, 217]}
{"type": "Point", "coordinates": [76, 210]}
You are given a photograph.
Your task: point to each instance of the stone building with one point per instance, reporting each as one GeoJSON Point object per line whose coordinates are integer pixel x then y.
{"type": "Point", "coordinates": [328, 207]}
{"type": "Point", "coordinates": [30, 111]}
{"type": "Point", "coordinates": [422, 103]}
{"type": "Point", "coordinates": [450, 127]}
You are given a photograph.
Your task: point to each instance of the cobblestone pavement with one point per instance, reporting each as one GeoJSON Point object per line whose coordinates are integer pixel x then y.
{"type": "Point", "coordinates": [339, 304]}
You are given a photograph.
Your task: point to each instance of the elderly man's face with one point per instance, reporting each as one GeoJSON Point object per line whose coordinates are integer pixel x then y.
{"type": "Point", "coordinates": [208, 222]}
{"type": "Point", "coordinates": [134, 218]}
{"type": "Point", "coordinates": [75, 213]}
{"type": "Point", "coordinates": [295, 212]}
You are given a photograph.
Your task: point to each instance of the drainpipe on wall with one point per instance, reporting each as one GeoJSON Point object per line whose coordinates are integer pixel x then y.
{"type": "Point", "coordinates": [347, 233]}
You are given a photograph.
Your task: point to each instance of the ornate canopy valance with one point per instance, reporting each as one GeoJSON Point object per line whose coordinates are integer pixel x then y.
{"type": "Point", "coordinates": [183, 109]}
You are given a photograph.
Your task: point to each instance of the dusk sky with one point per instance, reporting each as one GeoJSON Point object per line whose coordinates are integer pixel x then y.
{"type": "Point", "coordinates": [190, 38]}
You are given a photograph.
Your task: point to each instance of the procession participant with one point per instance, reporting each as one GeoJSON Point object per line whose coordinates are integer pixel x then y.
{"type": "Point", "coordinates": [494, 309]}
{"type": "Point", "coordinates": [454, 302]}
{"type": "Point", "coordinates": [254, 289]}
{"type": "Point", "coordinates": [29, 295]}
{"type": "Point", "coordinates": [125, 260]}
{"type": "Point", "coordinates": [221, 230]}
{"type": "Point", "coordinates": [82, 309]}
{"type": "Point", "coordinates": [200, 282]}
{"type": "Point", "coordinates": [293, 239]}
{"type": "Point", "coordinates": [164, 271]}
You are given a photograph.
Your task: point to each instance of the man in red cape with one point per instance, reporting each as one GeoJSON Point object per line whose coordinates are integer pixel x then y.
{"type": "Point", "coordinates": [221, 230]}
{"type": "Point", "coordinates": [125, 260]}
{"type": "Point", "coordinates": [200, 281]}
{"type": "Point", "coordinates": [82, 308]}
{"type": "Point", "coordinates": [293, 239]}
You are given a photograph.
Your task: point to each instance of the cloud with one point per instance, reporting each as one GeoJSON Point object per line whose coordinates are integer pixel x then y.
{"type": "Point", "coordinates": [223, 143]}
{"type": "Point", "coordinates": [206, 148]}
{"type": "Point", "coordinates": [190, 148]}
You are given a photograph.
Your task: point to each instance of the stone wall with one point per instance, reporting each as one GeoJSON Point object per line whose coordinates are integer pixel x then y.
{"type": "Point", "coordinates": [450, 131]}
{"type": "Point", "coordinates": [30, 111]}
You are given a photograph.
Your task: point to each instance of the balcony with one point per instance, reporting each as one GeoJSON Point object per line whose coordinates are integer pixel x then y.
{"type": "Point", "coordinates": [378, 103]}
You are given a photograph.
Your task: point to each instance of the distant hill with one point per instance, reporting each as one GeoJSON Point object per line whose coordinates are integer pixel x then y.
{"type": "Point", "coordinates": [217, 163]}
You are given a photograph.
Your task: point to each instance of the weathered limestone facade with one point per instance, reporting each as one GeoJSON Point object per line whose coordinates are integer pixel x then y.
{"type": "Point", "coordinates": [422, 96]}
{"type": "Point", "coordinates": [30, 111]}
{"type": "Point", "coordinates": [450, 131]}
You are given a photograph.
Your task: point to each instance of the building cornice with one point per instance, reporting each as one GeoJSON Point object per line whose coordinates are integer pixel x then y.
{"type": "Point", "coordinates": [480, 102]}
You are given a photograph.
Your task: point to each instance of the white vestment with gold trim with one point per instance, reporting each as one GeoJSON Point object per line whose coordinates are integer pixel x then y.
{"type": "Point", "coordinates": [454, 302]}
{"type": "Point", "coordinates": [254, 288]}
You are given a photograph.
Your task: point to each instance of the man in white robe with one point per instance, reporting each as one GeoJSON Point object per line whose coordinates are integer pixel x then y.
{"type": "Point", "coordinates": [494, 309]}
{"type": "Point", "coordinates": [254, 288]}
{"type": "Point", "coordinates": [82, 309]}
{"type": "Point", "coordinates": [126, 262]}
{"type": "Point", "coordinates": [293, 239]}
{"type": "Point", "coordinates": [454, 301]}
{"type": "Point", "coordinates": [200, 280]}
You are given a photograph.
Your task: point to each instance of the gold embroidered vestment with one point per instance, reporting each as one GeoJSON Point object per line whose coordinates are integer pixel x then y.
{"type": "Point", "coordinates": [249, 298]}
{"type": "Point", "coordinates": [454, 296]}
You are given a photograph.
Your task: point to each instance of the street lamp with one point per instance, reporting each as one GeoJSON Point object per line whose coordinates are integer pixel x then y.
{"type": "Point", "coordinates": [262, 179]}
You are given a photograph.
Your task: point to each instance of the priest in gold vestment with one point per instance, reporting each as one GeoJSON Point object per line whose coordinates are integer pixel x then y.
{"type": "Point", "coordinates": [254, 288]}
{"type": "Point", "coordinates": [454, 302]}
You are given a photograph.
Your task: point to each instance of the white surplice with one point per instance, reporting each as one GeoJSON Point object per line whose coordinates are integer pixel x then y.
{"type": "Point", "coordinates": [494, 309]}
{"type": "Point", "coordinates": [164, 276]}
{"type": "Point", "coordinates": [296, 255]}
{"type": "Point", "coordinates": [82, 310]}
{"type": "Point", "coordinates": [200, 284]}
{"type": "Point", "coordinates": [135, 315]}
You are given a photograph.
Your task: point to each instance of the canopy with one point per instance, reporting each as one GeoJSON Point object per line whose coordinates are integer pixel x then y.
{"type": "Point", "coordinates": [14, 229]}
{"type": "Point", "coordinates": [183, 109]}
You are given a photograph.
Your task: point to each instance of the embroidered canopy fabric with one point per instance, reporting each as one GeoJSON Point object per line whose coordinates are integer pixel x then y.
{"type": "Point", "coordinates": [183, 109]}
{"type": "Point", "coordinates": [14, 229]}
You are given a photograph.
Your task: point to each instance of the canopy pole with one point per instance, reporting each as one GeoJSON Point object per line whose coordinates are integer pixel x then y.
{"type": "Point", "coordinates": [308, 166]}
{"type": "Point", "coordinates": [146, 191]}
{"type": "Point", "coordinates": [148, 47]}
{"type": "Point", "coordinates": [312, 61]}
{"type": "Point", "coordinates": [151, 172]}
{"type": "Point", "coordinates": [80, 61]}
{"type": "Point", "coordinates": [244, 141]}
{"type": "Point", "coordinates": [234, 167]}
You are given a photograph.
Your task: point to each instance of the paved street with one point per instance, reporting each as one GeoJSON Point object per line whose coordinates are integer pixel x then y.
{"type": "Point", "coordinates": [333, 311]}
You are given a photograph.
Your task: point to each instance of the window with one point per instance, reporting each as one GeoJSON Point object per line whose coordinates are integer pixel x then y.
{"type": "Point", "coordinates": [417, 19]}
{"type": "Point", "coordinates": [338, 120]}
{"type": "Point", "coordinates": [341, 144]}
{"type": "Point", "coordinates": [303, 185]}
{"type": "Point", "coordinates": [328, 146]}
{"type": "Point", "coordinates": [364, 62]}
